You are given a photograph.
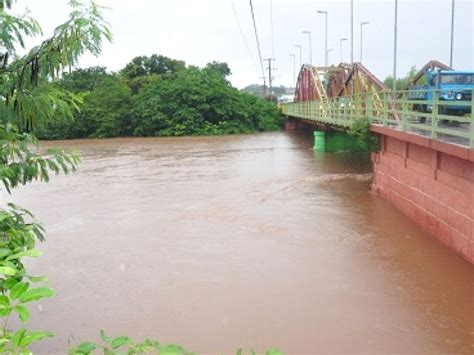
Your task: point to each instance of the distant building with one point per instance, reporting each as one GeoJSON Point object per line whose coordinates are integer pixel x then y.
{"type": "Point", "coordinates": [286, 98]}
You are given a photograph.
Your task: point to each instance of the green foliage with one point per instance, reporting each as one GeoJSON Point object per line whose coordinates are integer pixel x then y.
{"type": "Point", "coordinates": [21, 163]}
{"type": "Point", "coordinates": [125, 345]}
{"type": "Point", "coordinates": [81, 80]}
{"type": "Point", "coordinates": [149, 99]}
{"type": "Point", "coordinates": [404, 82]}
{"type": "Point", "coordinates": [155, 64]}
{"type": "Point", "coordinates": [360, 129]}
{"type": "Point", "coordinates": [200, 101]}
{"type": "Point", "coordinates": [29, 97]}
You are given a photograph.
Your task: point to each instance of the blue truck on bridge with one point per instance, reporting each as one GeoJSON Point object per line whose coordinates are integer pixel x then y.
{"type": "Point", "coordinates": [450, 85]}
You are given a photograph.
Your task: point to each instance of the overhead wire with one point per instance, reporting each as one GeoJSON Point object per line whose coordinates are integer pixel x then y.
{"type": "Point", "coordinates": [258, 43]}
{"type": "Point", "coordinates": [243, 36]}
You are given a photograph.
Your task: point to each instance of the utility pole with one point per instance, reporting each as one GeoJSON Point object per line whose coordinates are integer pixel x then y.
{"type": "Point", "coordinates": [270, 75]}
{"type": "Point", "coordinates": [452, 35]}
{"type": "Point", "coordinates": [264, 89]}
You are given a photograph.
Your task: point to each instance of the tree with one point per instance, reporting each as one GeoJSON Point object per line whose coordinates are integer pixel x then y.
{"type": "Point", "coordinates": [156, 64]}
{"type": "Point", "coordinates": [404, 82]}
{"type": "Point", "coordinates": [27, 97]}
{"type": "Point", "coordinates": [200, 101]}
{"type": "Point", "coordinates": [84, 79]}
{"type": "Point", "coordinates": [218, 67]}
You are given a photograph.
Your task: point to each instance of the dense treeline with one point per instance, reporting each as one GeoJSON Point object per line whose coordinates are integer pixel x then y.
{"type": "Point", "coordinates": [158, 96]}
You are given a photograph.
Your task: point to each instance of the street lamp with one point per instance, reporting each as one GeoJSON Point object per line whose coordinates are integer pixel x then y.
{"type": "Point", "coordinates": [362, 24]}
{"type": "Point", "coordinates": [340, 46]}
{"type": "Point", "coordinates": [352, 31]}
{"type": "Point", "coordinates": [310, 47]}
{"type": "Point", "coordinates": [294, 67]}
{"type": "Point", "coordinates": [395, 23]}
{"type": "Point", "coordinates": [326, 37]}
{"type": "Point", "coordinates": [301, 53]}
{"type": "Point", "coordinates": [327, 54]}
{"type": "Point", "coordinates": [452, 35]}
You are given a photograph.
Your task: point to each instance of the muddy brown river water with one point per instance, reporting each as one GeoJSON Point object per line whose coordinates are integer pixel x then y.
{"type": "Point", "coordinates": [250, 241]}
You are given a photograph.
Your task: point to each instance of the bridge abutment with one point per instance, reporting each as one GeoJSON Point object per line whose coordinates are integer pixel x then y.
{"type": "Point", "coordinates": [431, 182]}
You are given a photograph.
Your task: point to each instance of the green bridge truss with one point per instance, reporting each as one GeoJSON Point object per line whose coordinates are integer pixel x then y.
{"type": "Point", "coordinates": [451, 121]}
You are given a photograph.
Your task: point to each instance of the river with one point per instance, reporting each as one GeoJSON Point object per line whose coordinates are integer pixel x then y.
{"type": "Point", "coordinates": [252, 241]}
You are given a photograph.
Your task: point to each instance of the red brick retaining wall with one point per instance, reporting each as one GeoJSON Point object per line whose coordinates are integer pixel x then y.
{"type": "Point", "coordinates": [431, 182]}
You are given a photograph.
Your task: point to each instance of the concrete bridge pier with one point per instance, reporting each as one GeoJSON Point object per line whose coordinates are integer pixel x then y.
{"type": "Point", "coordinates": [325, 138]}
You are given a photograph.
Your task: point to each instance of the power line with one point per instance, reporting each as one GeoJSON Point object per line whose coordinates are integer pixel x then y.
{"type": "Point", "coordinates": [258, 44]}
{"type": "Point", "coordinates": [243, 36]}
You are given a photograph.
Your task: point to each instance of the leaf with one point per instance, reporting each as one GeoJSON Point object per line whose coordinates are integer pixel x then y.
{"type": "Point", "coordinates": [85, 348]}
{"type": "Point", "coordinates": [34, 336]}
{"type": "Point", "coordinates": [33, 253]}
{"type": "Point", "coordinates": [7, 270]}
{"type": "Point", "coordinates": [34, 294]}
{"type": "Point", "coordinates": [172, 350]}
{"type": "Point", "coordinates": [18, 290]}
{"type": "Point", "coordinates": [4, 302]}
{"type": "Point", "coordinates": [4, 252]}
{"type": "Point", "coordinates": [23, 312]}
{"type": "Point", "coordinates": [37, 278]}
{"type": "Point", "coordinates": [18, 336]}
{"type": "Point", "coordinates": [274, 352]}
{"type": "Point", "coordinates": [119, 341]}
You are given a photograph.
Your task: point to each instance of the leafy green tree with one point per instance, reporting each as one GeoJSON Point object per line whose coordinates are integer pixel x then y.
{"type": "Point", "coordinates": [27, 96]}
{"type": "Point", "coordinates": [404, 82]}
{"type": "Point", "coordinates": [86, 79]}
{"type": "Point", "coordinates": [200, 101]}
{"type": "Point", "coordinates": [155, 64]}
{"type": "Point", "coordinates": [221, 68]}
{"type": "Point", "coordinates": [108, 109]}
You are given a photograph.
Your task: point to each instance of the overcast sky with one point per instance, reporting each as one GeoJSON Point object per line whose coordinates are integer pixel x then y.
{"type": "Point", "coordinates": [199, 31]}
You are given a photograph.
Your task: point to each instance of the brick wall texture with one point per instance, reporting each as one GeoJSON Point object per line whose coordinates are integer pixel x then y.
{"type": "Point", "coordinates": [433, 187]}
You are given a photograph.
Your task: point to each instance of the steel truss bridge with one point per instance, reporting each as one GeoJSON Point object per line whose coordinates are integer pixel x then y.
{"type": "Point", "coordinates": [338, 96]}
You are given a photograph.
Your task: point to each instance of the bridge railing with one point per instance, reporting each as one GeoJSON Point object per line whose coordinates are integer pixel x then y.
{"type": "Point", "coordinates": [437, 114]}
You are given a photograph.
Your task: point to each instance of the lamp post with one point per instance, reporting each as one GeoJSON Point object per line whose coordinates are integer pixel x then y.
{"type": "Point", "coordinates": [301, 53]}
{"type": "Point", "coordinates": [326, 37]}
{"type": "Point", "coordinates": [294, 68]}
{"type": "Point", "coordinates": [340, 46]}
{"type": "Point", "coordinates": [310, 47]}
{"type": "Point", "coordinates": [352, 31]}
{"type": "Point", "coordinates": [327, 54]}
{"type": "Point", "coordinates": [452, 35]}
{"type": "Point", "coordinates": [395, 28]}
{"type": "Point", "coordinates": [362, 24]}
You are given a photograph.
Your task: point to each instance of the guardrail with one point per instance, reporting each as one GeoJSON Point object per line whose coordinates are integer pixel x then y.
{"type": "Point", "coordinates": [437, 114]}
